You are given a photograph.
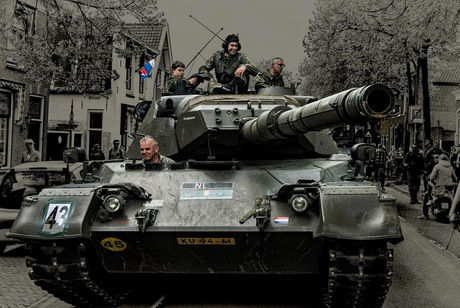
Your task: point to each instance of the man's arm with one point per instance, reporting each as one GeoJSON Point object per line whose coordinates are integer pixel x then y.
{"type": "Point", "coordinates": [260, 81]}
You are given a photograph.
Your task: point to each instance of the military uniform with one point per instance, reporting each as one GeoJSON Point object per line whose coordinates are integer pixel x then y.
{"type": "Point", "coordinates": [171, 83]}
{"type": "Point", "coordinates": [267, 79]}
{"type": "Point", "coordinates": [225, 65]}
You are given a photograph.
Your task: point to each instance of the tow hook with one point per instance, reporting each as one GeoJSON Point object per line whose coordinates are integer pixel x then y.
{"type": "Point", "coordinates": [260, 213]}
{"type": "Point", "coordinates": [145, 218]}
{"type": "Point", "coordinates": [262, 216]}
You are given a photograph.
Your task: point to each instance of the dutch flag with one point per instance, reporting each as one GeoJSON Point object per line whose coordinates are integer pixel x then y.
{"type": "Point", "coordinates": [145, 71]}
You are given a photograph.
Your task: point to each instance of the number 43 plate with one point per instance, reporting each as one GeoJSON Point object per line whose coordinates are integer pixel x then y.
{"type": "Point", "coordinates": [57, 216]}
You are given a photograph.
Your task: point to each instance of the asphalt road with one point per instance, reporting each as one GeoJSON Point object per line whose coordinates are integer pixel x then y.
{"type": "Point", "coordinates": [425, 273]}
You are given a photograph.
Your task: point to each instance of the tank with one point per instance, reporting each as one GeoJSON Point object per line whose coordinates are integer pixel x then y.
{"type": "Point", "coordinates": [257, 193]}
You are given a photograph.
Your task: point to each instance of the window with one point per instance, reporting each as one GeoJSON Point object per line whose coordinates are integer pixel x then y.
{"type": "Point", "coordinates": [5, 126]}
{"type": "Point", "coordinates": [36, 120]}
{"type": "Point", "coordinates": [129, 73]}
{"type": "Point", "coordinates": [95, 128]}
{"type": "Point", "coordinates": [141, 86]}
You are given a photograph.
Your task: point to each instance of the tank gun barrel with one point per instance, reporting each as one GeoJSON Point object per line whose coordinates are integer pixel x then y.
{"type": "Point", "coordinates": [350, 107]}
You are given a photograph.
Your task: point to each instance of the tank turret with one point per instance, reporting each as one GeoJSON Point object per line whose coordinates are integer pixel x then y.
{"type": "Point", "coordinates": [266, 126]}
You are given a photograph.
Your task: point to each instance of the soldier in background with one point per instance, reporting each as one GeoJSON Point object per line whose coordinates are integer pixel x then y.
{"type": "Point", "coordinates": [272, 76]}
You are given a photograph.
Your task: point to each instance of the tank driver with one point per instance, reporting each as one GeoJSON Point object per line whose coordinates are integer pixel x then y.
{"type": "Point", "coordinates": [150, 152]}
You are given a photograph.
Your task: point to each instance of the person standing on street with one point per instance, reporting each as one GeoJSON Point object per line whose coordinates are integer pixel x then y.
{"type": "Point", "coordinates": [455, 159]}
{"type": "Point", "coordinates": [432, 150]}
{"type": "Point", "coordinates": [413, 162]}
{"type": "Point", "coordinates": [116, 152]}
{"type": "Point", "coordinates": [380, 160]}
{"type": "Point", "coordinates": [96, 153]}
{"type": "Point", "coordinates": [30, 154]}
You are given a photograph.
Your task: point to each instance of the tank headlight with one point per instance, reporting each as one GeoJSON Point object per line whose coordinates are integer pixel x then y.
{"type": "Point", "coordinates": [114, 203]}
{"type": "Point", "coordinates": [299, 203]}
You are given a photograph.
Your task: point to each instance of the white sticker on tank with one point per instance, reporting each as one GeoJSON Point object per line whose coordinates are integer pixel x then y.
{"type": "Point", "coordinates": [155, 203]}
{"type": "Point", "coordinates": [206, 190]}
{"type": "Point", "coordinates": [56, 217]}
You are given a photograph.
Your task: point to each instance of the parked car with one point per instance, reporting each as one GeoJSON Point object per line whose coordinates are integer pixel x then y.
{"type": "Point", "coordinates": [27, 180]}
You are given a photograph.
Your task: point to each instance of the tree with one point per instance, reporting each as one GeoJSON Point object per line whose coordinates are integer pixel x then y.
{"type": "Point", "coordinates": [73, 40]}
{"type": "Point", "coordinates": [351, 43]}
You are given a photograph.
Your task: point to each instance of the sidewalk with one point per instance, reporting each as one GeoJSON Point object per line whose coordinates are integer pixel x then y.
{"type": "Point", "coordinates": [441, 233]}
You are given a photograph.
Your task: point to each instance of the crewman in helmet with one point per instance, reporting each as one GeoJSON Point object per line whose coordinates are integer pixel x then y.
{"type": "Point", "coordinates": [232, 68]}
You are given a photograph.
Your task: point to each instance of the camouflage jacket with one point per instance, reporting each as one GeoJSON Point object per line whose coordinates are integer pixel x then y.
{"type": "Point", "coordinates": [225, 66]}
{"type": "Point", "coordinates": [266, 79]}
{"type": "Point", "coordinates": [171, 83]}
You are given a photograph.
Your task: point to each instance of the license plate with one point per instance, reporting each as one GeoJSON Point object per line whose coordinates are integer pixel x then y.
{"type": "Point", "coordinates": [57, 216]}
{"type": "Point", "coordinates": [206, 241]}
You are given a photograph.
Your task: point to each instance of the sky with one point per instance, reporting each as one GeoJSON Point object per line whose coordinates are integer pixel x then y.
{"type": "Point", "coordinates": [266, 28]}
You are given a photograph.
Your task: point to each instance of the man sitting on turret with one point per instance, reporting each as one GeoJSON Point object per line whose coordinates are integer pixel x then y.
{"type": "Point", "coordinates": [231, 67]}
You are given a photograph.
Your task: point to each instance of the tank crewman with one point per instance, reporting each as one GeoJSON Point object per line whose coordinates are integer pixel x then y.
{"type": "Point", "coordinates": [232, 68]}
{"type": "Point", "coordinates": [177, 74]}
{"type": "Point", "coordinates": [150, 152]}
{"type": "Point", "coordinates": [272, 76]}
{"type": "Point", "coordinates": [413, 162]}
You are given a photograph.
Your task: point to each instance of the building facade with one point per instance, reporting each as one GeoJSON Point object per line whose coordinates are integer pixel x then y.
{"type": "Point", "coordinates": [55, 119]}
{"type": "Point", "coordinates": [23, 106]}
{"type": "Point", "coordinates": [84, 120]}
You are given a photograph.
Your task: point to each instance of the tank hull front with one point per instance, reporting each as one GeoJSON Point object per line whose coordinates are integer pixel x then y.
{"type": "Point", "coordinates": [196, 222]}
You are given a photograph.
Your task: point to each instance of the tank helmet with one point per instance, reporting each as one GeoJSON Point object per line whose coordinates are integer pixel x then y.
{"type": "Point", "coordinates": [229, 39]}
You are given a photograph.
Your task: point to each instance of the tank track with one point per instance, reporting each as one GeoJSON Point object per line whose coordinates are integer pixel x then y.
{"type": "Point", "coordinates": [358, 274]}
{"type": "Point", "coordinates": [63, 271]}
